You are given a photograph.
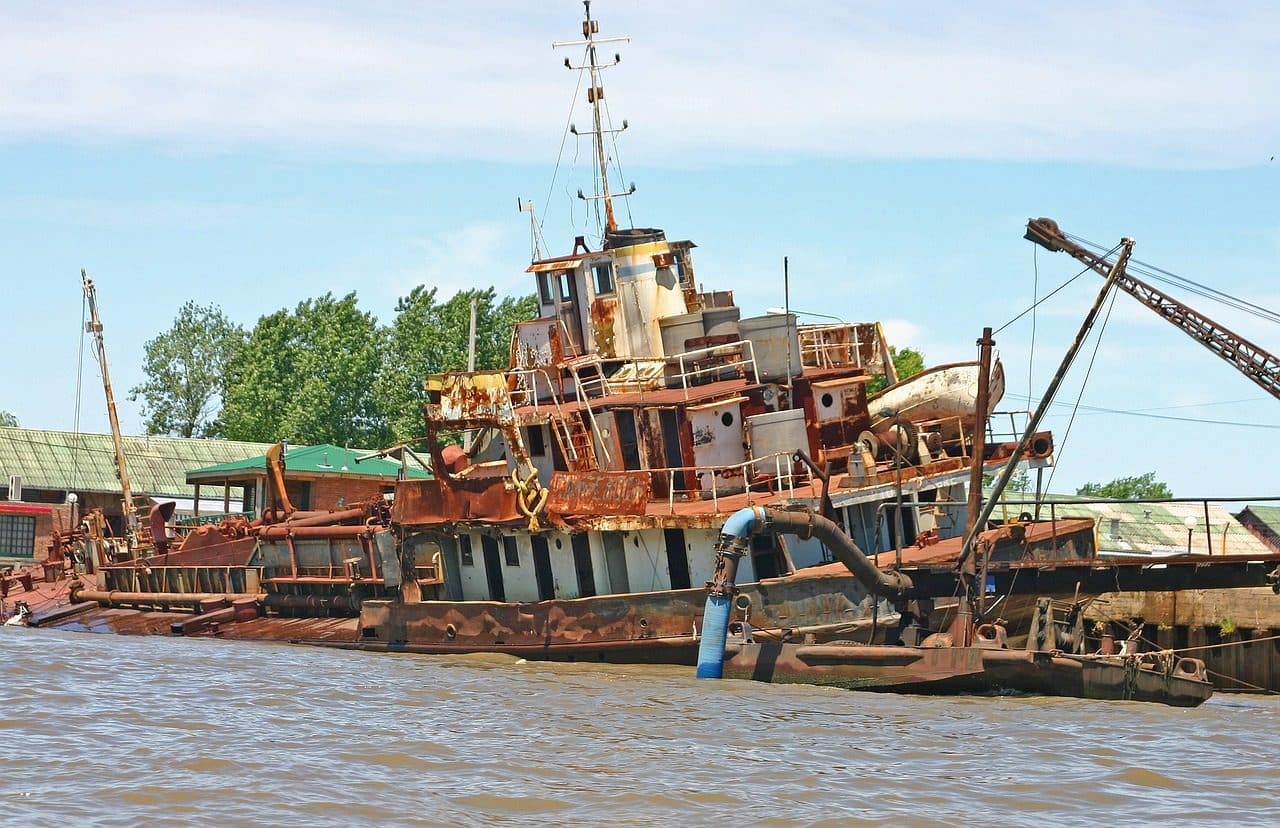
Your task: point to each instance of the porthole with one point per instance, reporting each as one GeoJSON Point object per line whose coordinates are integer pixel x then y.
{"type": "Point", "coordinates": [828, 400]}
{"type": "Point", "coordinates": [727, 418]}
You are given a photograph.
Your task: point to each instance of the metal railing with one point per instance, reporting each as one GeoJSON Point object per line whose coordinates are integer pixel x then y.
{"type": "Point", "coordinates": [785, 477]}
{"type": "Point", "coordinates": [817, 350]}
{"type": "Point", "coordinates": [528, 395]}
{"type": "Point", "coordinates": [1156, 526]}
{"type": "Point", "coordinates": [743, 349]}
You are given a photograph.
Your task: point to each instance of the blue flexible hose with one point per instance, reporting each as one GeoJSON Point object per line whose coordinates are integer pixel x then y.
{"type": "Point", "coordinates": [715, 616]}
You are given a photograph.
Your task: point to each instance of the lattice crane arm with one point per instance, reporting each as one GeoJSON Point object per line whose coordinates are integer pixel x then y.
{"type": "Point", "coordinates": [1253, 361]}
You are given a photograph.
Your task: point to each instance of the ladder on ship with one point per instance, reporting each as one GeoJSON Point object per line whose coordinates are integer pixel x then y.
{"type": "Point", "coordinates": [574, 439]}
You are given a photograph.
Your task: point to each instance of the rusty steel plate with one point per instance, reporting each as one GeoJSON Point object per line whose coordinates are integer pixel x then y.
{"type": "Point", "coordinates": [615, 493]}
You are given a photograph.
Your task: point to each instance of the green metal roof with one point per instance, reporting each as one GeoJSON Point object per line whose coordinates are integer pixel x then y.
{"type": "Point", "coordinates": [1150, 527]}
{"type": "Point", "coordinates": [319, 459]}
{"type": "Point", "coordinates": [1266, 515]}
{"type": "Point", "coordinates": [80, 462]}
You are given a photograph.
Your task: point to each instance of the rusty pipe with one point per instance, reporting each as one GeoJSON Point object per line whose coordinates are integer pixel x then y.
{"type": "Point", "coordinates": [114, 598]}
{"type": "Point", "coordinates": [327, 518]}
{"type": "Point", "coordinates": [805, 525]}
{"type": "Point", "coordinates": [279, 531]}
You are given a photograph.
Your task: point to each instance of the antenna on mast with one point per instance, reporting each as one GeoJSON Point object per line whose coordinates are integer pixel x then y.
{"type": "Point", "coordinates": [536, 243]}
{"type": "Point", "coordinates": [595, 96]}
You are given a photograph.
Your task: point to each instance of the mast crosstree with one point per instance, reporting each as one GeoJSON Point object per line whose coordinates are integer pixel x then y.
{"type": "Point", "coordinates": [595, 97]}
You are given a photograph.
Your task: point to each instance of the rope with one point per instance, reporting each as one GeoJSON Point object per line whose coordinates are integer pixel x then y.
{"type": "Point", "coordinates": [1224, 644]}
{"type": "Point", "coordinates": [1266, 690]}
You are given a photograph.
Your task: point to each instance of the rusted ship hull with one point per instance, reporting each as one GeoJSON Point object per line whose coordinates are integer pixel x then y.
{"type": "Point", "coordinates": [1182, 682]}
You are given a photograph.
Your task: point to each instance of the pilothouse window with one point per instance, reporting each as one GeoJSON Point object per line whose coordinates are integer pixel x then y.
{"type": "Point", "coordinates": [544, 289]}
{"type": "Point", "coordinates": [604, 278]}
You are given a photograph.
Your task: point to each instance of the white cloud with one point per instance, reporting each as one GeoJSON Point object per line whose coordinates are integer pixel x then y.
{"type": "Point", "coordinates": [465, 257]}
{"type": "Point", "coordinates": [1138, 83]}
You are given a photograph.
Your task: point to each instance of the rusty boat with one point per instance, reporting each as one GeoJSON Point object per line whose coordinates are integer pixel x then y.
{"type": "Point", "coordinates": [589, 502]}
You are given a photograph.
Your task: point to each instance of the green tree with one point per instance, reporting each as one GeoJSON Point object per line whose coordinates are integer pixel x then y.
{"type": "Point", "coordinates": [186, 370]}
{"type": "Point", "coordinates": [308, 376]}
{"type": "Point", "coordinates": [1127, 488]}
{"type": "Point", "coordinates": [906, 361]}
{"type": "Point", "coordinates": [429, 337]}
{"type": "Point", "coordinates": [7, 419]}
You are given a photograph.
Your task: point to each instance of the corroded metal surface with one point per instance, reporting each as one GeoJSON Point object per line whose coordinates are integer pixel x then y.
{"type": "Point", "coordinates": [853, 667]}
{"type": "Point", "coordinates": [431, 502]}
{"type": "Point", "coordinates": [614, 627]}
{"type": "Point", "coordinates": [615, 493]}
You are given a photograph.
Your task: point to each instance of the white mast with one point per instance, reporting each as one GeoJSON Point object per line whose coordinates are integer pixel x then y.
{"type": "Point", "coordinates": [595, 96]}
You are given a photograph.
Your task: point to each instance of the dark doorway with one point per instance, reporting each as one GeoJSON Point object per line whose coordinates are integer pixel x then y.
{"type": "Point", "coordinates": [765, 557]}
{"type": "Point", "coordinates": [677, 558]}
{"type": "Point", "coordinates": [542, 568]}
{"type": "Point", "coordinates": [669, 425]}
{"type": "Point", "coordinates": [615, 558]}
{"type": "Point", "coordinates": [582, 565]}
{"type": "Point", "coordinates": [493, 568]}
{"type": "Point", "coordinates": [624, 421]}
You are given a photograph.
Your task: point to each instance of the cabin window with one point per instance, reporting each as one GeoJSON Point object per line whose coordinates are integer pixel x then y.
{"type": "Point", "coordinates": [604, 278]}
{"type": "Point", "coordinates": [537, 445]}
{"type": "Point", "coordinates": [17, 536]}
{"type": "Point", "coordinates": [544, 289]}
{"type": "Point", "coordinates": [510, 551]}
{"type": "Point", "coordinates": [464, 550]}
{"type": "Point", "coordinates": [566, 285]}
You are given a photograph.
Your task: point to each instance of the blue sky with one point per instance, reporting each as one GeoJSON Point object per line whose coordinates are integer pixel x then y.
{"type": "Point", "coordinates": [254, 155]}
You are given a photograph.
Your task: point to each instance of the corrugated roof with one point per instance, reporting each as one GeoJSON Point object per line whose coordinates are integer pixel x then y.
{"type": "Point", "coordinates": [80, 462]}
{"type": "Point", "coordinates": [319, 459]}
{"type": "Point", "coordinates": [1267, 515]}
{"type": "Point", "coordinates": [1153, 527]}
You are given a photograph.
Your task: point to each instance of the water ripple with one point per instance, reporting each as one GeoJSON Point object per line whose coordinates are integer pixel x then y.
{"type": "Point", "coordinates": [110, 731]}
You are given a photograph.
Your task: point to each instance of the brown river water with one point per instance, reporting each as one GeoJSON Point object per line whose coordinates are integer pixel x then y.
{"type": "Point", "coordinates": [108, 731]}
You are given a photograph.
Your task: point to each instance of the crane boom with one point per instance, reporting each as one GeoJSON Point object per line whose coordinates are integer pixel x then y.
{"type": "Point", "coordinates": [94, 326]}
{"type": "Point", "coordinates": [1255, 362]}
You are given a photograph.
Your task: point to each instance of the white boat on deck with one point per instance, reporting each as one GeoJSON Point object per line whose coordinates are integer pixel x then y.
{"type": "Point", "coordinates": [945, 393]}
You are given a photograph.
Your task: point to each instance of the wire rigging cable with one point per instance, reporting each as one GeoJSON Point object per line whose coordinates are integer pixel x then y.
{"type": "Point", "coordinates": [1158, 274]}
{"type": "Point", "coordinates": [1048, 295]}
{"type": "Point", "coordinates": [564, 137]}
{"type": "Point", "coordinates": [1097, 343]}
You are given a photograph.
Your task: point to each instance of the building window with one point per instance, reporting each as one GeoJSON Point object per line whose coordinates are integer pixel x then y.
{"type": "Point", "coordinates": [544, 289]}
{"type": "Point", "coordinates": [604, 278]}
{"type": "Point", "coordinates": [17, 536]}
{"type": "Point", "coordinates": [510, 551]}
{"type": "Point", "coordinates": [464, 550]}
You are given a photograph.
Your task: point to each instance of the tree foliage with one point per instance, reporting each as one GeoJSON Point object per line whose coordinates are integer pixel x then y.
{"type": "Point", "coordinates": [429, 336]}
{"type": "Point", "coordinates": [906, 361]}
{"type": "Point", "coordinates": [308, 376]}
{"type": "Point", "coordinates": [1126, 488]}
{"type": "Point", "coordinates": [8, 419]}
{"type": "Point", "coordinates": [186, 370]}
